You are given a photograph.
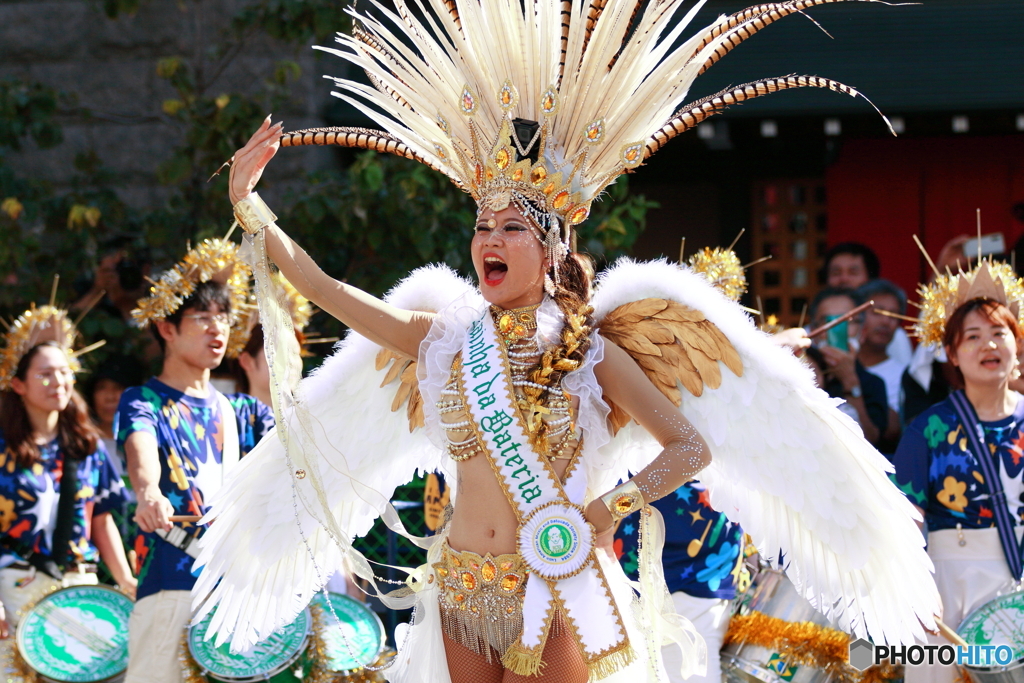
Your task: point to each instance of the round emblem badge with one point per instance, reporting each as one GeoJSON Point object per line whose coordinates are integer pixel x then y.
{"type": "Point", "coordinates": [555, 540]}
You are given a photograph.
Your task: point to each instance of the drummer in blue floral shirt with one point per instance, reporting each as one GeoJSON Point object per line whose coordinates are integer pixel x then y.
{"type": "Point", "coordinates": [703, 560]}
{"type": "Point", "coordinates": [181, 437]}
{"type": "Point", "coordinates": [57, 484]}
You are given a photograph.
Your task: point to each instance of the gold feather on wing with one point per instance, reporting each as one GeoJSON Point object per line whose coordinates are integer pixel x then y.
{"type": "Point", "coordinates": [403, 369]}
{"type": "Point", "coordinates": [673, 344]}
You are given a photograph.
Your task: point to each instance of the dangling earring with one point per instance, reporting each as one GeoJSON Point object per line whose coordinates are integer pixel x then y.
{"type": "Point", "coordinates": [549, 285]}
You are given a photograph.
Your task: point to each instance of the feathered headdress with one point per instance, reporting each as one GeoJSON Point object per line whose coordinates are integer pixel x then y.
{"type": "Point", "coordinates": [212, 259]}
{"type": "Point", "coordinates": [988, 280]}
{"type": "Point", "coordinates": [542, 103]}
{"type": "Point", "coordinates": [35, 326]}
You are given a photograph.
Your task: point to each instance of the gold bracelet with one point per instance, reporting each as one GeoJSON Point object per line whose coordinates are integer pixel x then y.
{"type": "Point", "coordinates": [623, 500]}
{"type": "Point", "coordinates": [253, 214]}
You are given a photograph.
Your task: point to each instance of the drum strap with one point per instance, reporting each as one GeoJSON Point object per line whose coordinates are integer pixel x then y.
{"type": "Point", "coordinates": [990, 469]}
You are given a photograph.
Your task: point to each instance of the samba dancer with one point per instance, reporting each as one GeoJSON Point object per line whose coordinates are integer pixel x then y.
{"type": "Point", "coordinates": [943, 466]}
{"type": "Point", "coordinates": [514, 382]}
{"type": "Point", "coordinates": [57, 483]}
{"type": "Point", "coordinates": [180, 436]}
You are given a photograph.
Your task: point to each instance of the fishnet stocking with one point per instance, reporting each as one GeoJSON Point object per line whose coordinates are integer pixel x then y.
{"type": "Point", "coordinates": [563, 662]}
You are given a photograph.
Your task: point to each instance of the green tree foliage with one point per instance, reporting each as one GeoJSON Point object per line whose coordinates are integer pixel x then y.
{"type": "Point", "coordinates": [369, 222]}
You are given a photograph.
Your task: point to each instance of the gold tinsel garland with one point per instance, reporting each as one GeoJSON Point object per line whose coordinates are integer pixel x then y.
{"type": "Point", "coordinates": [201, 264]}
{"type": "Point", "coordinates": [939, 300]}
{"type": "Point", "coordinates": [803, 643]}
{"type": "Point", "coordinates": [45, 323]}
{"type": "Point", "coordinates": [723, 269]}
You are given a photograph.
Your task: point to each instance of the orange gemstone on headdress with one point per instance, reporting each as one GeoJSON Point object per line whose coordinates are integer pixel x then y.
{"type": "Point", "coordinates": [506, 565]}
{"type": "Point", "coordinates": [633, 155]}
{"type": "Point", "coordinates": [507, 96]}
{"type": "Point", "coordinates": [468, 581]}
{"type": "Point", "coordinates": [467, 101]}
{"type": "Point", "coordinates": [549, 188]}
{"type": "Point", "coordinates": [459, 597]}
{"type": "Point", "coordinates": [456, 562]}
{"type": "Point", "coordinates": [503, 158]}
{"type": "Point", "coordinates": [490, 173]}
{"type": "Point", "coordinates": [442, 571]}
{"type": "Point", "coordinates": [517, 174]}
{"type": "Point", "coordinates": [538, 175]}
{"type": "Point", "coordinates": [560, 200]}
{"type": "Point", "coordinates": [594, 132]}
{"type": "Point", "coordinates": [488, 571]}
{"type": "Point", "coordinates": [509, 583]}
{"type": "Point", "coordinates": [579, 214]}
{"type": "Point", "coordinates": [549, 101]}
{"type": "Point", "coordinates": [479, 171]}
{"type": "Point", "coordinates": [505, 323]}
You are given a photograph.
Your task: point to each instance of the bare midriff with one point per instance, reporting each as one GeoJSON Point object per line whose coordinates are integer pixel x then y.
{"type": "Point", "coordinates": [484, 520]}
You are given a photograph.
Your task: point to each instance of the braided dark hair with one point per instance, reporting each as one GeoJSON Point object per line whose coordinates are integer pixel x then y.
{"type": "Point", "coordinates": [572, 295]}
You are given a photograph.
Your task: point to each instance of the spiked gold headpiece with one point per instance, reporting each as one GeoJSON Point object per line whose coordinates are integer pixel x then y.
{"type": "Point", "coordinates": [35, 326]}
{"type": "Point", "coordinates": [992, 280]}
{"type": "Point", "coordinates": [213, 259]}
{"type": "Point", "coordinates": [298, 307]}
{"type": "Point", "coordinates": [723, 269]}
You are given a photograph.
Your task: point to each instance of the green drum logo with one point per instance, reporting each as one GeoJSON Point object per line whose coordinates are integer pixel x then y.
{"type": "Point", "coordinates": [354, 642]}
{"type": "Point", "coordinates": [556, 540]}
{"type": "Point", "coordinates": [270, 656]}
{"type": "Point", "coordinates": [77, 634]}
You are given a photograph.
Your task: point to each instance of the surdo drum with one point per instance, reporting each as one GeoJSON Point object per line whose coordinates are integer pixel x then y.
{"type": "Point", "coordinates": [272, 659]}
{"type": "Point", "coordinates": [999, 621]}
{"type": "Point", "coordinates": [77, 635]}
{"type": "Point", "coordinates": [773, 595]}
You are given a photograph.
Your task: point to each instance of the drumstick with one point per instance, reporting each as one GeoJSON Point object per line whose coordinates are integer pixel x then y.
{"type": "Point", "coordinates": [184, 518]}
{"type": "Point", "coordinates": [949, 634]}
{"type": "Point", "coordinates": [843, 318]}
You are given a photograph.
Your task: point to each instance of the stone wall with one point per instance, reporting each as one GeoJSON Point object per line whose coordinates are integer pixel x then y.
{"type": "Point", "coordinates": [109, 67]}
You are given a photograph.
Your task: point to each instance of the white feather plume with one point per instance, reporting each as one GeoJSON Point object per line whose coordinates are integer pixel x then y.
{"type": "Point", "coordinates": [794, 471]}
{"type": "Point", "coordinates": [255, 568]}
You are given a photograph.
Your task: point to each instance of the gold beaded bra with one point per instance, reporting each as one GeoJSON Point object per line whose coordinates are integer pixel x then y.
{"type": "Point", "coordinates": [517, 329]}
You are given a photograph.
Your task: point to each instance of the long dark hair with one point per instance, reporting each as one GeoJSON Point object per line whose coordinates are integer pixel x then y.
{"type": "Point", "coordinates": [76, 435]}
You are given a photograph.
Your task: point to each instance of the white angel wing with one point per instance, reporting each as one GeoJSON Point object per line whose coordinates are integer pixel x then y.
{"type": "Point", "coordinates": [793, 470]}
{"type": "Point", "coordinates": [256, 569]}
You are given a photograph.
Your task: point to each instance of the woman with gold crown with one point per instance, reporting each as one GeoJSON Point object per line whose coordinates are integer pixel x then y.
{"type": "Point", "coordinates": [58, 485]}
{"type": "Point", "coordinates": [959, 462]}
{"type": "Point", "coordinates": [540, 390]}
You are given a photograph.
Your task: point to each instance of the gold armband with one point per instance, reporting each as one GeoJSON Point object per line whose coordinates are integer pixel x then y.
{"type": "Point", "coordinates": [253, 214]}
{"type": "Point", "coordinates": [623, 500]}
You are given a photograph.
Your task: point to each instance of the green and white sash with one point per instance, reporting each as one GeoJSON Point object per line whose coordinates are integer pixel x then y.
{"type": "Point", "coordinates": [554, 537]}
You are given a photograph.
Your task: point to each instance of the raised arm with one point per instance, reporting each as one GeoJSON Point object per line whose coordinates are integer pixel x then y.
{"type": "Point", "coordinates": [684, 452]}
{"type": "Point", "coordinates": [394, 328]}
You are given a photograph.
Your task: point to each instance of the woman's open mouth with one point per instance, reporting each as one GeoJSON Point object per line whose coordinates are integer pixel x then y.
{"type": "Point", "coordinates": [991, 363]}
{"type": "Point", "coordinates": [494, 269]}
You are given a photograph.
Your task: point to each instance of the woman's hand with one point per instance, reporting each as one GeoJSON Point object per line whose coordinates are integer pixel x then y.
{"type": "Point", "coordinates": [248, 163]}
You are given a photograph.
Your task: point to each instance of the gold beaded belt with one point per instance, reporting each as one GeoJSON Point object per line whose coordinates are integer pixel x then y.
{"type": "Point", "coordinates": [481, 599]}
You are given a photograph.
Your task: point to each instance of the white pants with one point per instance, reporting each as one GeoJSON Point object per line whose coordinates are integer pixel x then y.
{"type": "Point", "coordinates": [155, 633]}
{"type": "Point", "coordinates": [710, 617]}
{"type": "Point", "coordinates": [967, 577]}
{"type": "Point", "coordinates": [35, 585]}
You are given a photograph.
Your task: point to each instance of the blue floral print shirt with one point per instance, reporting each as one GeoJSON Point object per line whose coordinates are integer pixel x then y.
{"type": "Point", "coordinates": [938, 472]}
{"type": "Point", "coordinates": [190, 440]}
{"type": "Point", "coordinates": [29, 496]}
{"type": "Point", "coordinates": [712, 571]}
